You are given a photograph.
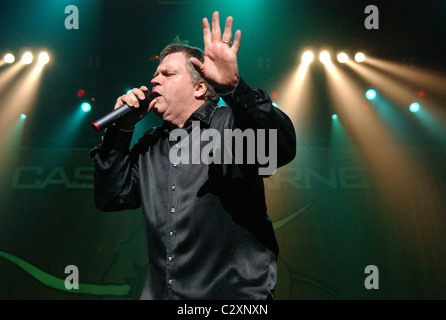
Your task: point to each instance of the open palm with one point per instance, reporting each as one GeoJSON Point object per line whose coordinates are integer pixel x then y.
{"type": "Point", "coordinates": [220, 67]}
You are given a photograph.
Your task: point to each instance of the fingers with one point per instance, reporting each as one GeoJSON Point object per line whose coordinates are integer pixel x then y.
{"type": "Point", "coordinates": [216, 32]}
{"type": "Point", "coordinates": [237, 40]}
{"type": "Point", "coordinates": [197, 63]}
{"type": "Point", "coordinates": [207, 36]}
{"type": "Point", "coordinates": [131, 98]}
{"type": "Point", "coordinates": [227, 34]}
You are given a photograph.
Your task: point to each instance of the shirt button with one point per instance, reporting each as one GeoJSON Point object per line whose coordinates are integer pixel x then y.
{"type": "Point", "coordinates": [172, 209]}
{"type": "Point", "coordinates": [169, 258]}
{"type": "Point", "coordinates": [170, 233]}
{"type": "Point", "coordinates": [174, 164]}
{"type": "Point", "coordinates": [170, 281]}
{"type": "Point", "coordinates": [173, 187]}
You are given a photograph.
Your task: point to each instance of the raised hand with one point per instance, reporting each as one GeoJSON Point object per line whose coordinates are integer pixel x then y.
{"type": "Point", "coordinates": [220, 66]}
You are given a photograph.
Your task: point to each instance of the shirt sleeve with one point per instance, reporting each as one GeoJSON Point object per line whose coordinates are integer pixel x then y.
{"type": "Point", "coordinates": [253, 108]}
{"type": "Point", "coordinates": [116, 185]}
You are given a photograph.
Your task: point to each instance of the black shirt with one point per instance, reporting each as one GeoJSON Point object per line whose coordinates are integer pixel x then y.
{"type": "Point", "coordinates": [208, 232]}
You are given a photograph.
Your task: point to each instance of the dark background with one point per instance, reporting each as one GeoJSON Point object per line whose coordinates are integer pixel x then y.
{"type": "Point", "coordinates": [47, 215]}
{"type": "Point", "coordinates": [112, 49]}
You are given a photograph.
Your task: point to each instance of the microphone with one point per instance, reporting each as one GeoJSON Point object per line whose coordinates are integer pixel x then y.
{"type": "Point", "coordinates": [120, 112]}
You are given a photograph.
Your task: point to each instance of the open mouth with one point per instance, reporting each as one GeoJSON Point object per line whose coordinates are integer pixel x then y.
{"type": "Point", "coordinates": [155, 95]}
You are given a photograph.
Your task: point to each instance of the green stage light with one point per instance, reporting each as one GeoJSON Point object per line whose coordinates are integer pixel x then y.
{"type": "Point", "coordinates": [334, 116]}
{"type": "Point", "coordinates": [414, 107]}
{"type": "Point", "coordinates": [23, 116]}
{"type": "Point", "coordinates": [370, 94]}
{"type": "Point", "coordinates": [86, 107]}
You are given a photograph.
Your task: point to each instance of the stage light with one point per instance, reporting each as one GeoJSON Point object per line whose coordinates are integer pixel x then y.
{"type": "Point", "coordinates": [273, 95]}
{"type": "Point", "coordinates": [44, 58]}
{"type": "Point", "coordinates": [86, 107]}
{"type": "Point", "coordinates": [324, 56]}
{"type": "Point", "coordinates": [370, 94]}
{"type": "Point", "coordinates": [27, 57]}
{"type": "Point", "coordinates": [23, 116]}
{"type": "Point", "coordinates": [360, 57]}
{"type": "Point", "coordinates": [307, 57]}
{"type": "Point", "coordinates": [9, 58]}
{"type": "Point", "coordinates": [80, 93]}
{"type": "Point", "coordinates": [334, 116]}
{"type": "Point", "coordinates": [414, 107]}
{"type": "Point", "coordinates": [342, 57]}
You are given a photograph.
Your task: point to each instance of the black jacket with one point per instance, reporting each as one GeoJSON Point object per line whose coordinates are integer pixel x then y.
{"type": "Point", "coordinates": [208, 232]}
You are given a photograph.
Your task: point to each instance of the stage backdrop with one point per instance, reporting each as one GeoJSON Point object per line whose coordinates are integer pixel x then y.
{"type": "Point", "coordinates": [343, 232]}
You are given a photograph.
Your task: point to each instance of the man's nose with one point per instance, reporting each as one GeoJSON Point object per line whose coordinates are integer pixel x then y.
{"type": "Point", "coordinates": [155, 81]}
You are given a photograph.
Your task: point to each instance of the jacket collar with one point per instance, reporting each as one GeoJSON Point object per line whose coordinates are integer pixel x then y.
{"type": "Point", "coordinates": [203, 114]}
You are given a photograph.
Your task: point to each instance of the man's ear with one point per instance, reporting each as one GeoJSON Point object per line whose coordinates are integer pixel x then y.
{"type": "Point", "coordinates": [200, 90]}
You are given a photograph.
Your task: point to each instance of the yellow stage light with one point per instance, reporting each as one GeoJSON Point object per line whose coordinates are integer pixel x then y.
{"type": "Point", "coordinates": [9, 58]}
{"type": "Point", "coordinates": [324, 56]}
{"type": "Point", "coordinates": [27, 57]}
{"type": "Point", "coordinates": [307, 57]}
{"type": "Point", "coordinates": [360, 57]}
{"type": "Point", "coordinates": [342, 57]}
{"type": "Point", "coordinates": [44, 58]}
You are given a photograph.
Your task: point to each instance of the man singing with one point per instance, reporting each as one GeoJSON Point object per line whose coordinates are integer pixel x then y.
{"type": "Point", "coordinates": [208, 232]}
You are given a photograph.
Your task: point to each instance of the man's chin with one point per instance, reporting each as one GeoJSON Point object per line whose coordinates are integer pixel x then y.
{"type": "Point", "coordinates": [157, 112]}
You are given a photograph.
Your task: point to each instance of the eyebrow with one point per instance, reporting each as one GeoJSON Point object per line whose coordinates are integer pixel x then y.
{"type": "Point", "coordinates": [165, 68]}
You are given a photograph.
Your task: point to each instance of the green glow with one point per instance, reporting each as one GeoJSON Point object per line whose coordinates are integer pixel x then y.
{"type": "Point", "coordinates": [10, 139]}
{"type": "Point", "coordinates": [86, 107]}
{"type": "Point", "coordinates": [59, 284]}
{"type": "Point", "coordinates": [105, 290]}
{"type": "Point", "coordinates": [69, 128]}
{"type": "Point", "coordinates": [23, 116]}
{"type": "Point", "coordinates": [414, 107]}
{"type": "Point", "coordinates": [434, 125]}
{"type": "Point", "coordinates": [389, 114]}
{"type": "Point", "coordinates": [284, 221]}
{"type": "Point", "coordinates": [338, 135]}
{"type": "Point", "coordinates": [370, 94]}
